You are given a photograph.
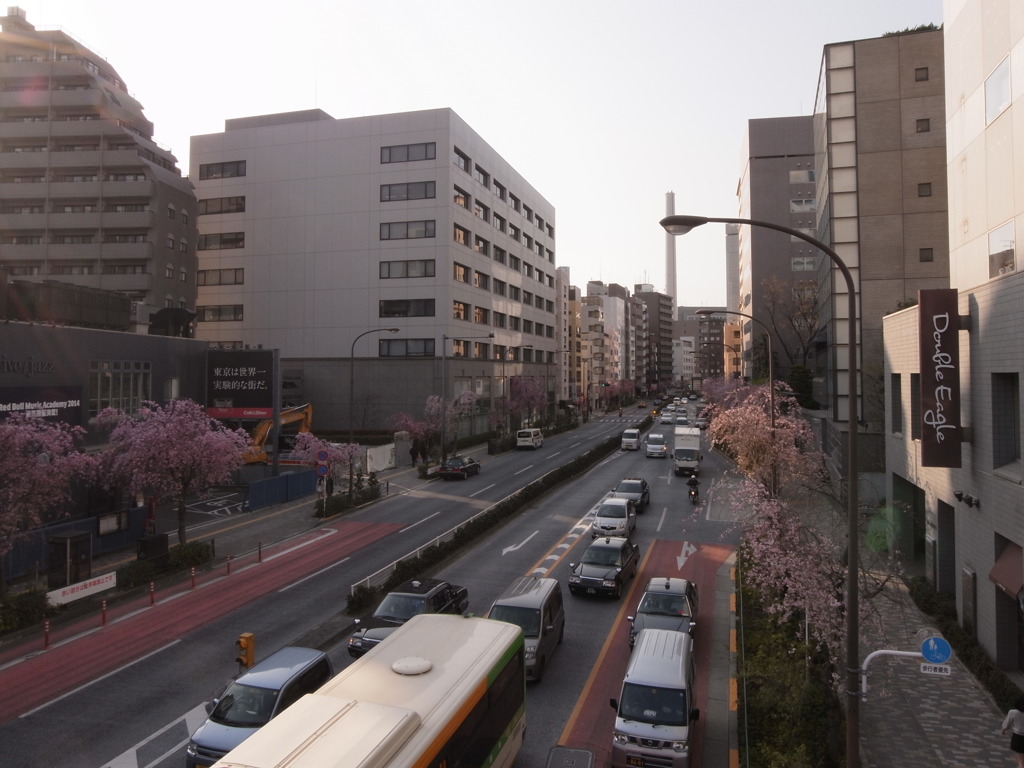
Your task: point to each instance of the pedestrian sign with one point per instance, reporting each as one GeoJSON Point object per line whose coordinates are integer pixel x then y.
{"type": "Point", "coordinates": [936, 650]}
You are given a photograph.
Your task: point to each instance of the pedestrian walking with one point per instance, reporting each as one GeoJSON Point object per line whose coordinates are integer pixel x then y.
{"type": "Point", "coordinates": [1014, 722]}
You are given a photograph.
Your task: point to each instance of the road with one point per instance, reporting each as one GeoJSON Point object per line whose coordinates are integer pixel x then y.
{"type": "Point", "coordinates": [128, 694]}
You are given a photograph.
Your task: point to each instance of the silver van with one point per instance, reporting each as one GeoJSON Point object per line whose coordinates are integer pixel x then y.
{"type": "Point", "coordinates": [534, 604]}
{"type": "Point", "coordinates": [654, 712]}
{"type": "Point", "coordinates": [253, 699]}
{"type": "Point", "coordinates": [631, 440]}
{"type": "Point", "coordinates": [529, 438]}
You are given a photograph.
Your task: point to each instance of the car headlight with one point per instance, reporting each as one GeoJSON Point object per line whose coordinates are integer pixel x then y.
{"type": "Point", "coordinates": [531, 653]}
{"type": "Point", "coordinates": [609, 583]}
{"type": "Point", "coordinates": [619, 738]}
{"type": "Point", "coordinates": [356, 642]}
{"type": "Point", "coordinates": [681, 746]}
{"type": "Point", "coordinates": [574, 578]}
{"type": "Point", "coordinates": [191, 749]}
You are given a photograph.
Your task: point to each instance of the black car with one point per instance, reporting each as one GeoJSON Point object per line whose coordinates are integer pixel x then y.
{"type": "Point", "coordinates": [667, 604]}
{"type": "Point", "coordinates": [458, 468]}
{"type": "Point", "coordinates": [604, 568]}
{"type": "Point", "coordinates": [407, 600]}
{"type": "Point", "coordinates": [636, 489]}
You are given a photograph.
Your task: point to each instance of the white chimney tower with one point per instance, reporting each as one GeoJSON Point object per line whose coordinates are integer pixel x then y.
{"type": "Point", "coordinates": [670, 253]}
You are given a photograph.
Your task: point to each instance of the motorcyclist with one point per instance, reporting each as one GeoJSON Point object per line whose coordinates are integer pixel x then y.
{"type": "Point", "coordinates": [694, 484]}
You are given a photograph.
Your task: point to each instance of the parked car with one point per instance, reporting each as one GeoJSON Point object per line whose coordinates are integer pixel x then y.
{"type": "Point", "coordinates": [614, 517]}
{"type": "Point", "coordinates": [636, 489]}
{"type": "Point", "coordinates": [604, 567]}
{"type": "Point", "coordinates": [407, 600]}
{"type": "Point", "coordinates": [458, 468]}
{"type": "Point", "coordinates": [667, 603]}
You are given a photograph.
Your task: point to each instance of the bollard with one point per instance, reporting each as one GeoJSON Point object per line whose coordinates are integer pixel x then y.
{"type": "Point", "coordinates": [229, 565]}
{"type": "Point", "coordinates": [193, 577]}
{"type": "Point", "coordinates": [152, 593]}
{"type": "Point", "coordinates": [46, 634]}
{"type": "Point", "coordinates": [103, 613]}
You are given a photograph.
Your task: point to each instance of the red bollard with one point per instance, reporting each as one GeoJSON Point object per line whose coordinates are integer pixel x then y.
{"type": "Point", "coordinates": [46, 634]}
{"type": "Point", "coordinates": [229, 565]}
{"type": "Point", "coordinates": [152, 593]}
{"type": "Point", "coordinates": [103, 614]}
{"type": "Point", "coordinates": [193, 577]}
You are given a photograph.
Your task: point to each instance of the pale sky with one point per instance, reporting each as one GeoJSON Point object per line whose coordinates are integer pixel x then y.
{"type": "Point", "coordinates": [602, 105]}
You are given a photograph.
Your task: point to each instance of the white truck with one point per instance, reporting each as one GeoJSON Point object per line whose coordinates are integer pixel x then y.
{"type": "Point", "coordinates": [686, 451]}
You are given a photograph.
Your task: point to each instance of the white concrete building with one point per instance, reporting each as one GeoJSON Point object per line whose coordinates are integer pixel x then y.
{"type": "Point", "coordinates": [963, 523]}
{"type": "Point", "coordinates": [318, 234]}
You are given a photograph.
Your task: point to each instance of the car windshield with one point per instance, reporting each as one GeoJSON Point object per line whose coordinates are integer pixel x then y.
{"type": "Point", "coordinates": [612, 510]}
{"type": "Point", "coordinates": [601, 556]}
{"type": "Point", "coordinates": [629, 486]}
{"type": "Point", "coordinates": [528, 619]}
{"type": "Point", "coordinates": [658, 706]}
{"type": "Point", "coordinates": [400, 608]}
{"type": "Point", "coordinates": [656, 440]}
{"type": "Point", "coordinates": [663, 605]}
{"type": "Point", "coordinates": [244, 706]}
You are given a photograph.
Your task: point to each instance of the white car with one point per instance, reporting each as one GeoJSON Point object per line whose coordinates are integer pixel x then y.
{"type": "Point", "coordinates": [657, 447]}
{"type": "Point", "coordinates": [614, 517]}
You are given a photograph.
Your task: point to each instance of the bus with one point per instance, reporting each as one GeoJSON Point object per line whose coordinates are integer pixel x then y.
{"type": "Point", "coordinates": [441, 691]}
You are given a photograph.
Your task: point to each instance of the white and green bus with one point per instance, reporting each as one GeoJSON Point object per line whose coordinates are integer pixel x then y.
{"type": "Point", "coordinates": [440, 692]}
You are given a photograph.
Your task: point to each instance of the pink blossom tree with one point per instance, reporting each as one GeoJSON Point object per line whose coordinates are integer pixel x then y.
{"type": "Point", "coordinates": [428, 429]}
{"type": "Point", "coordinates": [527, 394]}
{"type": "Point", "coordinates": [171, 451]}
{"type": "Point", "coordinates": [309, 448]}
{"type": "Point", "coordinates": [38, 463]}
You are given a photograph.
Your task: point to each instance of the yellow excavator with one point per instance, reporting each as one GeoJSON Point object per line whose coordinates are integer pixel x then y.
{"type": "Point", "coordinates": [256, 453]}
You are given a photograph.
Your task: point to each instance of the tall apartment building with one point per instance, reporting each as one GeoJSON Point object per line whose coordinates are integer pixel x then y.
{"type": "Point", "coordinates": [777, 185]}
{"type": "Point", "coordinates": [707, 334]}
{"type": "Point", "coordinates": [959, 522]}
{"type": "Point", "coordinates": [317, 235]}
{"type": "Point", "coordinates": [658, 338]}
{"type": "Point", "coordinates": [86, 196]}
{"type": "Point", "coordinates": [880, 147]}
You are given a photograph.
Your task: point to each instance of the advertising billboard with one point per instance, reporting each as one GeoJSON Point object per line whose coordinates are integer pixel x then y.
{"type": "Point", "coordinates": [939, 349]}
{"type": "Point", "coordinates": [240, 383]}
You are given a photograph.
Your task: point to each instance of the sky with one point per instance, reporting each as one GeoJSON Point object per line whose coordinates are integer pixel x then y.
{"type": "Point", "coordinates": [603, 106]}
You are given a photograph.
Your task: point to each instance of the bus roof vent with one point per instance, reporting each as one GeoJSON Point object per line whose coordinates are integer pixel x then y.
{"type": "Point", "coordinates": [411, 665]}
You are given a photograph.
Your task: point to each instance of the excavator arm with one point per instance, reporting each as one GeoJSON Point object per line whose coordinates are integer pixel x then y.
{"type": "Point", "coordinates": [256, 453]}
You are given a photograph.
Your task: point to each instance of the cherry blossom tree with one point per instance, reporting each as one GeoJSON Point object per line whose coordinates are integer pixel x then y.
{"type": "Point", "coordinates": [171, 451]}
{"type": "Point", "coordinates": [428, 429]}
{"type": "Point", "coordinates": [526, 395]}
{"type": "Point", "coordinates": [38, 463]}
{"type": "Point", "coordinates": [309, 448]}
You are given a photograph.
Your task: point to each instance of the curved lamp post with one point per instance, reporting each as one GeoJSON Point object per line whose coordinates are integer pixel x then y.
{"type": "Point", "coordinates": [352, 391]}
{"type": "Point", "coordinates": [680, 225]}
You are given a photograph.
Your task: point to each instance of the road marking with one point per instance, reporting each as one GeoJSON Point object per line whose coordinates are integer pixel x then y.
{"type": "Point", "coordinates": [515, 547]}
{"type": "Point", "coordinates": [684, 554]}
{"type": "Point", "coordinates": [129, 758]}
{"type": "Point", "coordinates": [418, 522]}
{"type": "Point", "coordinates": [485, 488]}
{"type": "Point", "coordinates": [312, 575]}
{"type": "Point", "coordinates": [524, 469]}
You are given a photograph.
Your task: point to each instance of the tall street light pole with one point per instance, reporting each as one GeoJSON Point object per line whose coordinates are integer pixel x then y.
{"type": "Point", "coordinates": [680, 225]}
{"type": "Point", "coordinates": [352, 391]}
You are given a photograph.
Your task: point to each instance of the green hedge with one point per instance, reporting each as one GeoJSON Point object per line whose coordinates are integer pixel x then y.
{"type": "Point", "coordinates": [179, 558]}
{"type": "Point", "coordinates": [23, 609]}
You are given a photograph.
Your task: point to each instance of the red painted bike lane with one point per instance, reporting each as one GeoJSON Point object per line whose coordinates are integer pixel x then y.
{"type": "Point", "coordinates": [591, 722]}
{"type": "Point", "coordinates": [86, 650]}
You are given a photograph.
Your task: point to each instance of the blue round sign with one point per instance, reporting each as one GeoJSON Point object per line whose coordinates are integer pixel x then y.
{"type": "Point", "coordinates": [936, 650]}
{"type": "Point", "coordinates": [321, 470]}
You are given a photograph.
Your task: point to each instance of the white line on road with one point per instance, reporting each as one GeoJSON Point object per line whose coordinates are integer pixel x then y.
{"type": "Point", "coordinates": [485, 488]}
{"type": "Point", "coordinates": [313, 575]}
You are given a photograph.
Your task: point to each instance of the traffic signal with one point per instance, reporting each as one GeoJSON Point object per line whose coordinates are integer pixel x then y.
{"type": "Point", "coordinates": [246, 643]}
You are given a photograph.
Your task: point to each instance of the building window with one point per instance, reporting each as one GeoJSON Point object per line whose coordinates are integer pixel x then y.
{"type": "Point", "coordinates": [514, 324]}
{"type": "Point", "coordinates": [1002, 257]}
{"type": "Point", "coordinates": [171, 212]}
{"type": "Point", "coordinates": [184, 215]}
{"type": "Point", "coordinates": [514, 293]}
{"type": "Point", "coordinates": [461, 198]}
{"type": "Point", "coordinates": [222, 241]}
{"type": "Point", "coordinates": [411, 268]}
{"type": "Point", "coordinates": [74, 239]}
{"type": "Point", "coordinates": [896, 403]}
{"type": "Point", "coordinates": [169, 271]}
{"type": "Point", "coordinates": [482, 281]}
{"type": "Point", "coordinates": [801, 177]}
{"type": "Point", "coordinates": [127, 238]}
{"type": "Point", "coordinates": [498, 222]}
{"type": "Point", "coordinates": [120, 384]}
{"type": "Point", "coordinates": [481, 211]}
{"type": "Point", "coordinates": [808, 205]}
{"type": "Point", "coordinates": [924, 190]}
{"type": "Point", "coordinates": [407, 308]}
{"type": "Point", "coordinates": [514, 202]}
{"type": "Point", "coordinates": [482, 176]}
{"type": "Point", "coordinates": [500, 288]}
{"type": "Point", "coordinates": [460, 310]}
{"type": "Point", "coordinates": [212, 205]}
{"type": "Point", "coordinates": [460, 273]}
{"type": "Point", "coordinates": [414, 190]}
{"type": "Point", "coordinates": [219, 313]}
{"type": "Point", "coordinates": [499, 255]}
{"type": "Point", "coordinates": [921, 74]}
{"type": "Point", "coordinates": [924, 125]}
{"type": "Point", "coordinates": [461, 235]}
{"type": "Point", "coordinates": [515, 263]}
{"type": "Point", "coordinates": [408, 153]}
{"type": "Point", "coordinates": [227, 170]}
{"type": "Point", "coordinates": [183, 275]}
{"type": "Point", "coordinates": [170, 242]}
{"type": "Point", "coordinates": [406, 230]}
{"type": "Point", "coordinates": [527, 326]}
{"type": "Point", "coordinates": [406, 347]}
{"type": "Point", "coordinates": [183, 246]}
{"type": "Point", "coordinates": [124, 269]}
{"type": "Point", "coordinates": [220, 276]}
{"type": "Point", "coordinates": [925, 254]}
{"type": "Point", "coordinates": [514, 232]}
{"type": "Point", "coordinates": [71, 269]}
{"type": "Point", "coordinates": [123, 177]}
{"type": "Point", "coordinates": [481, 246]}
{"type": "Point", "coordinates": [481, 316]}
{"type": "Point", "coordinates": [499, 190]}
{"type": "Point", "coordinates": [997, 91]}
{"type": "Point", "coordinates": [1005, 419]}
{"type": "Point", "coordinates": [500, 319]}
{"type": "Point", "coordinates": [461, 160]}
{"type": "Point", "coordinates": [481, 350]}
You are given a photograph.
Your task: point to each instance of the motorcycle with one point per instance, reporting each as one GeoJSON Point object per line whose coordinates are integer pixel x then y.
{"type": "Point", "coordinates": [694, 495]}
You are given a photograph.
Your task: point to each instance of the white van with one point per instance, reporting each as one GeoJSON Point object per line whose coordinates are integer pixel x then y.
{"type": "Point", "coordinates": [654, 712]}
{"type": "Point", "coordinates": [631, 440]}
{"type": "Point", "coordinates": [535, 605]}
{"type": "Point", "coordinates": [529, 438]}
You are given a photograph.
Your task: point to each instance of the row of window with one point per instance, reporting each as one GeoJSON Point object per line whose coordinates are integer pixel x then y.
{"type": "Point", "coordinates": [121, 384]}
{"type": "Point", "coordinates": [121, 238]}
{"type": "Point", "coordinates": [481, 211]}
{"type": "Point", "coordinates": [1005, 413]}
{"type": "Point", "coordinates": [463, 274]}
{"type": "Point", "coordinates": [76, 269]}
{"type": "Point", "coordinates": [78, 207]}
{"type": "Point", "coordinates": [225, 170]}
{"type": "Point", "coordinates": [462, 236]}
{"type": "Point", "coordinates": [482, 177]}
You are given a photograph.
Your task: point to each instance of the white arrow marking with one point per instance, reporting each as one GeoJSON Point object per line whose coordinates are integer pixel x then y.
{"type": "Point", "coordinates": [506, 550]}
{"type": "Point", "coordinates": [687, 550]}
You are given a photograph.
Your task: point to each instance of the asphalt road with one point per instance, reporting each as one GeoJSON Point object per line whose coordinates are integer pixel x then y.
{"type": "Point", "coordinates": [129, 693]}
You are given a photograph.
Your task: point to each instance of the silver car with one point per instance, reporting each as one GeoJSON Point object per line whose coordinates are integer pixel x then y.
{"type": "Point", "coordinates": [614, 517]}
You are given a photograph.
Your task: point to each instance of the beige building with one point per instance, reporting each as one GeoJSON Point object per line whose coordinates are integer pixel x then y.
{"type": "Point", "coordinates": [963, 526]}
{"type": "Point", "coordinates": [86, 196]}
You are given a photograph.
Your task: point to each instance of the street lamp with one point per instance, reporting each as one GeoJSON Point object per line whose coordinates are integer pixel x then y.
{"type": "Point", "coordinates": [352, 391]}
{"type": "Point", "coordinates": [680, 225]}
{"type": "Point", "coordinates": [444, 388]}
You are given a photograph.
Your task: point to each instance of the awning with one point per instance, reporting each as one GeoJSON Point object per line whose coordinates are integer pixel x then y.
{"type": "Point", "coordinates": [1008, 571]}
